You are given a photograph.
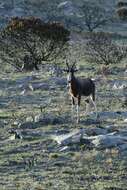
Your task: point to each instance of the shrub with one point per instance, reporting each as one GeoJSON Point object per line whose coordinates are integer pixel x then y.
{"type": "Point", "coordinates": [94, 15]}
{"type": "Point", "coordinates": [122, 13]}
{"type": "Point", "coordinates": [101, 49]}
{"type": "Point", "coordinates": [30, 39]}
{"type": "Point", "coordinates": [121, 4]}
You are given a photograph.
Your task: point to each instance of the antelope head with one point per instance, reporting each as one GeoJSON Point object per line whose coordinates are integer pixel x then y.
{"type": "Point", "coordinates": [70, 69]}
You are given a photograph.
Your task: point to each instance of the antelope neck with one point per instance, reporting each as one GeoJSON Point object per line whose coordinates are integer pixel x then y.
{"type": "Point", "coordinates": [73, 79]}
{"type": "Point", "coordinates": [73, 87]}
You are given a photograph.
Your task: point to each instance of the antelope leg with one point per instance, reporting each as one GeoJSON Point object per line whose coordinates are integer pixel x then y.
{"type": "Point", "coordinates": [72, 109]}
{"type": "Point", "coordinates": [87, 109]}
{"type": "Point", "coordinates": [77, 113]}
{"type": "Point", "coordinates": [79, 99]}
{"type": "Point", "coordinates": [95, 107]}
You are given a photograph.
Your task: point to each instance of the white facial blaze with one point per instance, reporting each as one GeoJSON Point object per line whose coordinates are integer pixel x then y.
{"type": "Point", "coordinates": [69, 78]}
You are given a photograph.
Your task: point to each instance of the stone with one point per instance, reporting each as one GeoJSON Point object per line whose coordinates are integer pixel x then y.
{"type": "Point", "coordinates": [111, 114]}
{"type": "Point", "coordinates": [29, 119]}
{"type": "Point", "coordinates": [61, 82]}
{"type": "Point", "coordinates": [25, 79]}
{"type": "Point", "coordinates": [70, 138]}
{"type": "Point", "coordinates": [38, 118]}
{"type": "Point", "coordinates": [65, 148]}
{"type": "Point", "coordinates": [108, 141]}
{"type": "Point", "coordinates": [95, 131]}
{"type": "Point", "coordinates": [123, 147]}
{"type": "Point", "coordinates": [105, 140]}
{"type": "Point", "coordinates": [125, 120]}
{"type": "Point", "coordinates": [47, 119]}
{"type": "Point", "coordinates": [36, 86]}
{"type": "Point", "coordinates": [111, 128]}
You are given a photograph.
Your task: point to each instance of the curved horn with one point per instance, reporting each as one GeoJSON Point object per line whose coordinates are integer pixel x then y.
{"type": "Point", "coordinates": [67, 63]}
{"type": "Point", "coordinates": [74, 64]}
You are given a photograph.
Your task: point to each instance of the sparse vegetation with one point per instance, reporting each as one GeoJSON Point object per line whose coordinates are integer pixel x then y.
{"type": "Point", "coordinates": [122, 13]}
{"type": "Point", "coordinates": [101, 49]}
{"type": "Point", "coordinates": [121, 4]}
{"type": "Point", "coordinates": [36, 105]}
{"type": "Point", "coordinates": [29, 42]}
{"type": "Point", "coordinates": [94, 16]}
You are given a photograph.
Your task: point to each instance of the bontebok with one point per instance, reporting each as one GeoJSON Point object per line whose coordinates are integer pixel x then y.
{"type": "Point", "coordinates": [79, 87]}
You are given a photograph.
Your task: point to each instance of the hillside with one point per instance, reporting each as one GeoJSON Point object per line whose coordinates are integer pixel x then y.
{"type": "Point", "coordinates": [42, 146]}
{"type": "Point", "coordinates": [67, 12]}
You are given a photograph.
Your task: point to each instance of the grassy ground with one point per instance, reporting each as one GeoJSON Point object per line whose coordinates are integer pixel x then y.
{"type": "Point", "coordinates": [35, 162]}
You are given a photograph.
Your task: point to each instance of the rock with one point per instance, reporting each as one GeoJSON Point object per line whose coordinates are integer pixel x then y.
{"type": "Point", "coordinates": [5, 122]}
{"type": "Point", "coordinates": [99, 141]}
{"type": "Point", "coordinates": [29, 125]}
{"type": "Point", "coordinates": [61, 82]}
{"type": "Point", "coordinates": [17, 11]}
{"type": "Point", "coordinates": [61, 132]}
{"type": "Point", "coordinates": [30, 134]}
{"type": "Point", "coordinates": [16, 123]}
{"type": "Point", "coordinates": [47, 119]}
{"type": "Point", "coordinates": [23, 92]}
{"type": "Point", "coordinates": [65, 148]}
{"type": "Point", "coordinates": [63, 4]}
{"type": "Point", "coordinates": [119, 86]}
{"type": "Point", "coordinates": [23, 86]}
{"type": "Point", "coordinates": [55, 70]}
{"type": "Point", "coordinates": [1, 124]}
{"type": "Point", "coordinates": [67, 139]}
{"type": "Point", "coordinates": [123, 147]}
{"type": "Point", "coordinates": [108, 141]}
{"type": "Point", "coordinates": [36, 86]}
{"type": "Point", "coordinates": [44, 119]}
{"type": "Point", "coordinates": [111, 114]}
{"type": "Point", "coordinates": [125, 120]}
{"type": "Point", "coordinates": [95, 131]}
{"type": "Point", "coordinates": [25, 79]}
{"type": "Point", "coordinates": [68, 8]}
{"type": "Point", "coordinates": [26, 84]}
{"type": "Point", "coordinates": [29, 119]}
{"type": "Point", "coordinates": [15, 134]}
{"type": "Point", "coordinates": [122, 132]}
{"type": "Point", "coordinates": [38, 118]}
{"type": "Point", "coordinates": [111, 128]}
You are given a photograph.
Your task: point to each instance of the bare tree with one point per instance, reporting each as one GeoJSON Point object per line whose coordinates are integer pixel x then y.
{"type": "Point", "coordinates": [30, 39]}
{"type": "Point", "coordinates": [122, 13]}
{"type": "Point", "coordinates": [100, 48]}
{"type": "Point", "coordinates": [94, 15]}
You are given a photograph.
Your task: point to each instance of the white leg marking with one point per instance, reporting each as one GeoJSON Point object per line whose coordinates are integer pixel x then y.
{"type": "Point", "coordinates": [87, 109]}
{"type": "Point", "coordinates": [72, 110]}
{"type": "Point", "coordinates": [77, 113]}
{"type": "Point", "coordinates": [94, 104]}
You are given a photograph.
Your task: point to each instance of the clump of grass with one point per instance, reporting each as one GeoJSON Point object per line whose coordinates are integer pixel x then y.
{"type": "Point", "coordinates": [54, 155]}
